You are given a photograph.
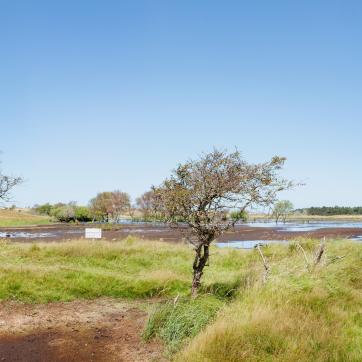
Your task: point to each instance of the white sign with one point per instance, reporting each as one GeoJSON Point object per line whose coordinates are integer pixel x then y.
{"type": "Point", "coordinates": [93, 233]}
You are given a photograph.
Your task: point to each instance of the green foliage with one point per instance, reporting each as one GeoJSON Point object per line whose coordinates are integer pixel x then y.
{"type": "Point", "coordinates": [130, 268]}
{"type": "Point", "coordinates": [335, 210]}
{"type": "Point", "coordinates": [176, 323]}
{"type": "Point", "coordinates": [282, 209]}
{"type": "Point", "coordinates": [239, 215]}
{"type": "Point", "coordinates": [82, 214]}
{"type": "Point", "coordinates": [44, 209]}
{"type": "Point", "coordinates": [298, 315]}
{"type": "Point", "coordinates": [65, 212]}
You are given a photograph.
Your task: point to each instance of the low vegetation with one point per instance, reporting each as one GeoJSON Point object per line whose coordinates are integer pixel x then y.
{"type": "Point", "coordinates": [19, 217]}
{"type": "Point", "coordinates": [333, 210]}
{"type": "Point", "coordinates": [298, 315]}
{"type": "Point", "coordinates": [180, 320]}
{"type": "Point", "coordinates": [66, 271]}
{"type": "Point", "coordinates": [105, 207]}
{"type": "Point", "coordinates": [302, 312]}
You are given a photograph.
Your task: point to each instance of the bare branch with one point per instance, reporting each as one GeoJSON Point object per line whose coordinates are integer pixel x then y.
{"type": "Point", "coordinates": [265, 263]}
{"type": "Point", "coordinates": [7, 183]}
{"type": "Point", "coordinates": [307, 264]}
{"type": "Point", "coordinates": [320, 252]}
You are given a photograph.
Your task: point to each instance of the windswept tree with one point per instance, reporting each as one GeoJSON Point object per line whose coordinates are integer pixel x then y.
{"type": "Point", "coordinates": [281, 210]}
{"type": "Point", "coordinates": [200, 193]}
{"type": "Point", "coordinates": [110, 205]}
{"type": "Point", "coordinates": [7, 183]}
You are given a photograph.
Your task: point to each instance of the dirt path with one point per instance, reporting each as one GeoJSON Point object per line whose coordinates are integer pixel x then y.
{"type": "Point", "coordinates": [100, 330]}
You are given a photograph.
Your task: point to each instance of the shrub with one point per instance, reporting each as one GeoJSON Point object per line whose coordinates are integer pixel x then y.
{"type": "Point", "coordinates": [82, 214]}
{"type": "Point", "coordinates": [175, 324]}
{"type": "Point", "coordinates": [239, 215]}
{"type": "Point", "coordinates": [44, 209]}
{"type": "Point", "coordinates": [64, 213]}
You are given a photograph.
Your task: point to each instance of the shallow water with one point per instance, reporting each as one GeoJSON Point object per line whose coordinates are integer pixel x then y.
{"type": "Point", "coordinates": [305, 226]}
{"type": "Point", "coordinates": [247, 244]}
{"type": "Point", "coordinates": [21, 234]}
{"type": "Point", "coordinates": [35, 235]}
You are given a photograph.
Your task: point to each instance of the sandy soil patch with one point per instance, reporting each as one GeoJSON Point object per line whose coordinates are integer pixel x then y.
{"type": "Point", "coordinates": [100, 330]}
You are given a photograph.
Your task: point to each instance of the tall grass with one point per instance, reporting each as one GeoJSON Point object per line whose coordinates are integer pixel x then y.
{"type": "Point", "coordinates": [129, 268]}
{"type": "Point", "coordinates": [299, 315]}
{"type": "Point", "coordinates": [175, 322]}
{"type": "Point", "coordinates": [302, 313]}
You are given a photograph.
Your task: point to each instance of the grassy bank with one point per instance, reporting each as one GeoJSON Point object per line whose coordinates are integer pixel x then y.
{"type": "Point", "coordinates": [300, 314]}
{"type": "Point", "coordinates": [84, 269]}
{"type": "Point", "coordinates": [13, 218]}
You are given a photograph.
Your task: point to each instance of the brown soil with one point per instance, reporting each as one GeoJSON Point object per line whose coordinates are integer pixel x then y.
{"type": "Point", "coordinates": [255, 233]}
{"type": "Point", "coordinates": [103, 330]}
{"type": "Point", "coordinates": [164, 233]}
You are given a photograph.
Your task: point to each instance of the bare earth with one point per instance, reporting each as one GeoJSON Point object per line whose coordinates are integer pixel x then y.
{"type": "Point", "coordinates": [60, 232]}
{"type": "Point", "coordinates": [100, 330]}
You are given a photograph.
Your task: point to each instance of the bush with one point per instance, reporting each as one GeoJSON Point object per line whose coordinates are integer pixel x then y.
{"type": "Point", "coordinates": [239, 215]}
{"type": "Point", "coordinates": [44, 209]}
{"type": "Point", "coordinates": [82, 214]}
{"type": "Point", "coordinates": [64, 213]}
{"type": "Point", "coordinates": [177, 323]}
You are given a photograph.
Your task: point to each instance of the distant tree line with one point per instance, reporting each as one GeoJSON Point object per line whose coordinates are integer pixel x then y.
{"type": "Point", "coordinates": [65, 212]}
{"type": "Point", "coordinates": [333, 210]}
{"type": "Point", "coordinates": [106, 206]}
{"type": "Point", "coordinates": [111, 206]}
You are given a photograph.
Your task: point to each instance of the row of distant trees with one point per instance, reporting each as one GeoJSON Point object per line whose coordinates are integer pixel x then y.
{"type": "Point", "coordinates": [334, 210]}
{"type": "Point", "coordinates": [111, 206]}
{"type": "Point", "coordinates": [106, 206]}
{"type": "Point", "coordinates": [284, 208]}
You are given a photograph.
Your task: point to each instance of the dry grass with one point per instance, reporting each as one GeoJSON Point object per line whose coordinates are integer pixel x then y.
{"type": "Point", "coordinates": [21, 217]}
{"type": "Point", "coordinates": [297, 316]}
{"type": "Point", "coordinates": [300, 314]}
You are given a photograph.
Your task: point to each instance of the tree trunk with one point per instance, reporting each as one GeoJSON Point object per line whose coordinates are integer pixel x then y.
{"type": "Point", "coordinates": [198, 266]}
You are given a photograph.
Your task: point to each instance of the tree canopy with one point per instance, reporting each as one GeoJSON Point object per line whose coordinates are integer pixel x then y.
{"type": "Point", "coordinates": [200, 193]}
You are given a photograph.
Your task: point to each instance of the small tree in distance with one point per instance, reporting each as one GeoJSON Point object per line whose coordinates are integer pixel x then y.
{"type": "Point", "coordinates": [7, 183]}
{"type": "Point", "coordinates": [282, 209]}
{"type": "Point", "coordinates": [200, 192]}
{"type": "Point", "coordinates": [110, 205]}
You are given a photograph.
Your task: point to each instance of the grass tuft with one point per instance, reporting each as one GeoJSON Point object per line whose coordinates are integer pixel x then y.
{"type": "Point", "coordinates": [176, 323]}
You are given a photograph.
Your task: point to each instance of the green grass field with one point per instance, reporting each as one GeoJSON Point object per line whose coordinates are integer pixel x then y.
{"type": "Point", "coordinates": [21, 217]}
{"type": "Point", "coordinates": [300, 314]}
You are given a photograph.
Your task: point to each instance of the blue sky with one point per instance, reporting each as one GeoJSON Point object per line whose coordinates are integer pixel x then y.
{"type": "Point", "coordinates": [104, 95]}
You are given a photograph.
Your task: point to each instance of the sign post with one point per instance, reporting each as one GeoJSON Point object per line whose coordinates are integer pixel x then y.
{"type": "Point", "coordinates": [93, 233]}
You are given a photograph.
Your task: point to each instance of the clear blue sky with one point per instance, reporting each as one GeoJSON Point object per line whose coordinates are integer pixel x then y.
{"type": "Point", "coordinates": [103, 95]}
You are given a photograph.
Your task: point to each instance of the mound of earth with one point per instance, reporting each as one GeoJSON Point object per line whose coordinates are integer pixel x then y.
{"type": "Point", "coordinates": [100, 330]}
